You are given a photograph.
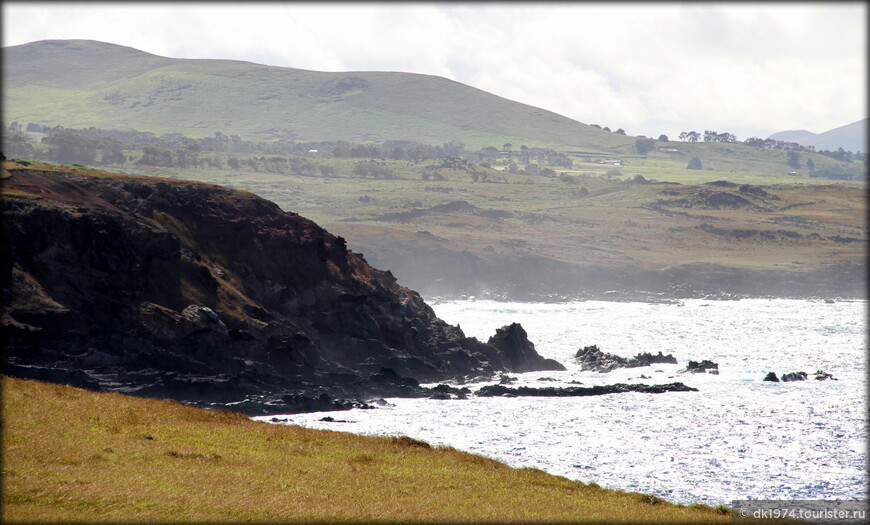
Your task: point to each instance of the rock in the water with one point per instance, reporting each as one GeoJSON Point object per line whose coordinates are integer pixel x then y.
{"type": "Point", "coordinates": [647, 359]}
{"type": "Point", "coordinates": [799, 376]}
{"type": "Point", "coordinates": [440, 395]}
{"type": "Point", "coordinates": [822, 376]}
{"type": "Point", "coordinates": [501, 390]}
{"type": "Point", "coordinates": [518, 353]}
{"type": "Point", "coordinates": [445, 391]}
{"type": "Point", "coordinates": [794, 376]}
{"type": "Point", "coordinates": [701, 367]}
{"type": "Point", "coordinates": [330, 419]}
{"type": "Point", "coordinates": [591, 358]}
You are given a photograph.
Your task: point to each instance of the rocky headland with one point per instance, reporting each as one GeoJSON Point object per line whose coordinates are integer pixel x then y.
{"type": "Point", "coordinates": [215, 297]}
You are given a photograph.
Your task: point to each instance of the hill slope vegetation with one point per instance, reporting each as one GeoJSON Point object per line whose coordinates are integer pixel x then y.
{"type": "Point", "coordinates": [78, 83]}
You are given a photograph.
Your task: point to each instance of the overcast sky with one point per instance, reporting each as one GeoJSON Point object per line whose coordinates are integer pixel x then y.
{"type": "Point", "coordinates": [746, 68]}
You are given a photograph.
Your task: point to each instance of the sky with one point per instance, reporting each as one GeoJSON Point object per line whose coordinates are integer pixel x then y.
{"type": "Point", "coordinates": [750, 68]}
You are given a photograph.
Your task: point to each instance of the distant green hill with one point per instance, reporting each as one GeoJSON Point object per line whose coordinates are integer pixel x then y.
{"type": "Point", "coordinates": [851, 137]}
{"type": "Point", "coordinates": [82, 83]}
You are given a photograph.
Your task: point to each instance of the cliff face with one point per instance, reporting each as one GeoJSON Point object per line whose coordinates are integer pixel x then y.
{"type": "Point", "coordinates": [205, 294]}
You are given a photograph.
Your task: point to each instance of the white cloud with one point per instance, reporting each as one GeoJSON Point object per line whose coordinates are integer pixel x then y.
{"type": "Point", "coordinates": [649, 68]}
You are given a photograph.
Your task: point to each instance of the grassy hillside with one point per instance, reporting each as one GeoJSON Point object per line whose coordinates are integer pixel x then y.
{"type": "Point", "coordinates": [469, 228]}
{"type": "Point", "coordinates": [77, 83]}
{"type": "Point", "coordinates": [75, 455]}
{"type": "Point", "coordinates": [790, 225]}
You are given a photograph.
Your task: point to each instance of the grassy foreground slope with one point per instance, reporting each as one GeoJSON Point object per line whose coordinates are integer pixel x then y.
{"type": "Point", "coordinates": [71, 454]}
{"type": "Point", "coordinates": [83, 83]}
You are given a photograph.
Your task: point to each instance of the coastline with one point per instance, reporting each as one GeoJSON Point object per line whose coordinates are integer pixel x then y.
{"type": "Point", "coordinates": [123, 458]}
{"type": "Point", "coordinates": [767, 440]}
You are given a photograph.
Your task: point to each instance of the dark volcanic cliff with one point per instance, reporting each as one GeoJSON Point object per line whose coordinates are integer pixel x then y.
{"type": "Point", "coordinates": [208, 295]}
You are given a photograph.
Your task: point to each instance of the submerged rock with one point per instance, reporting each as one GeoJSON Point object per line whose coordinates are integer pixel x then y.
{"type": "Point", "coordinates": [771, 376]}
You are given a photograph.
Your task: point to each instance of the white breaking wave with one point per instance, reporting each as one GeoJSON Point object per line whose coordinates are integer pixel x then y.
{"type": "Point", "coordinates": [737, 438]}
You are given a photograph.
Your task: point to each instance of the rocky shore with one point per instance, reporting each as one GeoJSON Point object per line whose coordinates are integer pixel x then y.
{"type": "Point", "coordinates": [214, 297]}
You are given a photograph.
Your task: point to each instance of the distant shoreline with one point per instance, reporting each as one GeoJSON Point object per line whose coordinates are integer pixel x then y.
{"type": "Point", "coordinates": [632, 297]}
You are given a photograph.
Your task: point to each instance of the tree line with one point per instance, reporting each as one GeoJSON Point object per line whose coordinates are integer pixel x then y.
{"type": "Point", "coordinates": [772, 144]}
{"type": "Point", "coordinates": [106, 147]}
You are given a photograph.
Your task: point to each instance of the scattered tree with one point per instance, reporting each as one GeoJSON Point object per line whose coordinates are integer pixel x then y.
{"type": "Point", "coordinates": [68, 147]}
{"type": "Point", "coordinates": [690, 136]}
{"type": "Point", "coordinates": [694, 164]}
{"type": "Point", "coordinates": [15, 145]}
{"type": "Point", "coordinates": [643, 146]}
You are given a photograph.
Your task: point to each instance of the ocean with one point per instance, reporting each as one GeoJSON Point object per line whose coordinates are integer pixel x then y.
{"type": "Point", "coordinates": [738, 437]}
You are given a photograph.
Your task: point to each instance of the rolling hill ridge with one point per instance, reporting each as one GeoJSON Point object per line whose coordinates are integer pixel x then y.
{"type": "Point", "coordinates": [851, 137]}
{"type": "Point", "coordinates": [81, 83]}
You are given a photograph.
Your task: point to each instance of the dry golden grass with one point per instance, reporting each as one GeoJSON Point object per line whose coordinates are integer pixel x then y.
{"type": "Point", "coordinates": [75, 455]}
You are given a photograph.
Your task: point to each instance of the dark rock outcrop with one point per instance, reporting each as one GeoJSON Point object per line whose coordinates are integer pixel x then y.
{"type": "Point", "coordinates": [517, 352]}
{"type": "Point", "coordinates": [799, 376]}
{"type": "Point", "coordinates": [213, 296]}
{"type": "Point", "coordinates": [794, 376]}
{"type": "Point", "coordinates": [592, 358]}
{"type": "Point", "coordinates": [771, 376]}
{"type": "Point", "coordinates": [579, 391]}
{"type": "Point", "coordinates": [821, 375]}
{"type": "Point", "coordinates": [700, 367]}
